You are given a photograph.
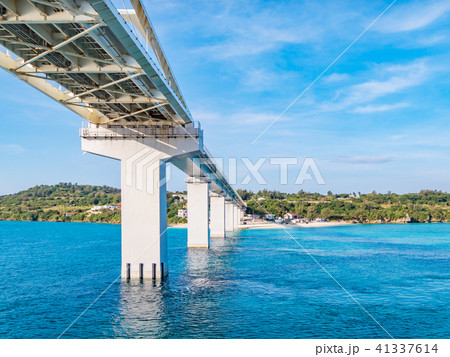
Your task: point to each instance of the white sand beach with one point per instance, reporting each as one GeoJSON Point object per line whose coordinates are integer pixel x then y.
{"type": "Point", "coordinates": [271, 225]}
{"type": "Point", "coordinates": [323, 224]}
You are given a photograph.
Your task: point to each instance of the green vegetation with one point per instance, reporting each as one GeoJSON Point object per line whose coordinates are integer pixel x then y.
{"type": "Point", "coordinates": [67, 202]}
{"type": "Point", "coordinates": [57, 203]}
{"type": "Point", "coordinates": [174, 203]}
{"type": "Point", "coordinates": [425, 206]}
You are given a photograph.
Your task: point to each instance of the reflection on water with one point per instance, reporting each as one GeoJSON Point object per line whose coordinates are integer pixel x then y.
{"type": "Point", "coordinates": [255, 284]}
{"type": "Point", "coordinates": [142, 309]}
{"type": "Point", "coordinates": [184, 304]}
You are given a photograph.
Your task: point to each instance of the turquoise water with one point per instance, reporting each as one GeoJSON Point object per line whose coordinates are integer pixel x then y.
{"type": "Point", "coordinates": [256, 284]}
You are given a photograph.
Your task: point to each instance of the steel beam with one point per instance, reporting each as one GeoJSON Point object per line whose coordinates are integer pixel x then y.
{"type": "Point", "coordinates": [135, 113]}
{"type": "Point", "coordinates": [92, 115]}
{"type": "Point", "coordinates": [10, 5]}
{"type": "Point", "coordinates": [62, 44]}
{"type": "Point", "coordinates": [105, 85]}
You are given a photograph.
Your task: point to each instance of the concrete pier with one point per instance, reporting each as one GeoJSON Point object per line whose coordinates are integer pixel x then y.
{"type": "Point", "coordinates": [144, 220]}
{"type": "Point", "coordinates": [143, 194]}
{"type": "Point", "coordinates": [229, 216]}
{"type": "Point", "coordinates": [236, 217]}
{"type": "Point", "coordinates": [217, 224]}
{"type": "Point", "coordinates": [198, 211]}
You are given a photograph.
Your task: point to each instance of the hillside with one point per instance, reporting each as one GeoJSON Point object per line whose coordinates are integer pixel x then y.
{"type": "Point", "coordinates": [425, 206]}
{"type": "Point", "coordinates": [67, 202]}
{"type": "Point", "coordinates": [52, 203]}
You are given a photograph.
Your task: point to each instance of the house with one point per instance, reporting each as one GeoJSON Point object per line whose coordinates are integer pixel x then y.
{"type": "Point", "coordinates": [183, 198]}
{"type": "Point", "coordinates": [182, 213]}
{"type": "Point", "coordinates": [252, 216]}
{"type": "Point", "coordinates": [290, 216]}
{"type": "Point", "coordinates": [99, 209]}
{"type": "Point", "coordinates": [70, 214]}
{"type": "Point", "coordinates": [269, 216]}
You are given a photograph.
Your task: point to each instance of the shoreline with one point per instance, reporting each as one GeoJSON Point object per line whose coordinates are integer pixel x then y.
{"type": "Point", "coordinates": [272, 225]}
{"type": "Point", "coordinates": [257, 225]}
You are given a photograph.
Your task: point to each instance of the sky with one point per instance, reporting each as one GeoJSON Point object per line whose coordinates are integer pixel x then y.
{"type": "Point", "coordinates": [377, 119]}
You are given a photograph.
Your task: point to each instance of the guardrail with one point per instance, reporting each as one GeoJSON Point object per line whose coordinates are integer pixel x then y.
{"type": "Point", "coordinates": [158, 132]}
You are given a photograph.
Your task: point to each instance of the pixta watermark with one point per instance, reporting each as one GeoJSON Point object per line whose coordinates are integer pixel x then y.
{"type": "Point", "coordinates": [148, 167]}
{"type": "Point", "coordinates": [264, 170]}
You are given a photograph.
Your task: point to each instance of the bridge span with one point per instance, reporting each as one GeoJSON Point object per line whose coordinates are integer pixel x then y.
{"type": "Point", "coordinates": [107, 66]}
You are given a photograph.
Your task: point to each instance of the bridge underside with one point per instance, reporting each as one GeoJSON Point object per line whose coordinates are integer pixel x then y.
{"type": "Point", "coordinates": [87, 52]}
{"type": "Point", "coordinates": [92, 58]}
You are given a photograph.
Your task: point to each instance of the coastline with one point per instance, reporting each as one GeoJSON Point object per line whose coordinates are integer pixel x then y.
{"type": "Point", "coordinates": [257, 225]}
{"type": "Point", "coordinates": [272, 225]}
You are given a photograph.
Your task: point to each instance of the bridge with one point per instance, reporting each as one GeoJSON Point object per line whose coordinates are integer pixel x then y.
{"type": "Point", "coordinates": [107, 66]}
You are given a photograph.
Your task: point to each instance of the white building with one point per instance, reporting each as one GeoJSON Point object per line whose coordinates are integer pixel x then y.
{"type": "Point", "coordinates": [252, 216]}
{"type": "Point", "coordinates": [98, 209]}
{"type": "Point", "coordinates": [290, 216]}
{"type": "Point", "coordinates": [182, 213]}
{"type": "Point", "coordinates": [269, 216]}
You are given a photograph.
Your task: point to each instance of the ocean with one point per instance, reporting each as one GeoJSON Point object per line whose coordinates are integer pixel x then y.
{"type": "Point", "coordinates": [358, 281]}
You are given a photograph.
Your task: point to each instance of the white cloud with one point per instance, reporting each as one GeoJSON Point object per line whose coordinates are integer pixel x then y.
{"type": "Point", "coordinates": [11, 149]}
{"type": "Point", "coordinates": [259, 79]}
{"type": "Point", "coordinates": [255, 40]}
{"type": "Point", "coordinates": [364, 159]}
{"type": "Point", "coordinates": [379, 108]}
{"type": "Point", "coordinates": [336, 77]}
{"type": "Point", "coordinates": [242, 29]}
{"type": "Point", "coordinates": [252, 117]}
{"type": "Point", "coordinates": [243, 117]}
{"type": "Point", "coordinates": [414, 16]}
{"type": "Point", "coordinates": [397, 137]}
{"type": "Point", "coordinates": [404, 76]}
{"type": "Point", "coordinates": [431, 40]}
{"type": "Point", "coordinates": [206, 116]}
{"type": "Point", "coordinates": [266, 80]}
{"type": "Point", "coordinates": [394, 79]}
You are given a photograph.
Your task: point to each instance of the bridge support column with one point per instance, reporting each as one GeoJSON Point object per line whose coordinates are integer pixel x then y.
{"type": "Point", "coordinates": [144, 202]}
{"type": "Point", "coordinates": [229, 219]}
{"type": "Point", "coordinates": [198, 212]}
{"type": "Point", "coordinates": [217, 226]}
{"type": "Point", "coordinates": [236, 216]}
{"type": "Point", "coordinates": [144, 221]}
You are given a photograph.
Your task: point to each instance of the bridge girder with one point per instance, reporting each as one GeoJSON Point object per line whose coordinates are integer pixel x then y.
{"type": "Point", "coordinates": [69, 45]}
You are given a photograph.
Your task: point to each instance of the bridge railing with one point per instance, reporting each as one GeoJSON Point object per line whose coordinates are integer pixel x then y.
{"type": "Point", "coordinates": [140, 132]}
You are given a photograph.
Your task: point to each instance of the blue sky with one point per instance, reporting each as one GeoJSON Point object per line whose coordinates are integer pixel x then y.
{"type": "Point", "coordinates": [377, 120]}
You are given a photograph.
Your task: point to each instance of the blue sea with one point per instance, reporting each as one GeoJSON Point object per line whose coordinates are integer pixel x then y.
{"type": "Point", "coordinates": [254, 284]}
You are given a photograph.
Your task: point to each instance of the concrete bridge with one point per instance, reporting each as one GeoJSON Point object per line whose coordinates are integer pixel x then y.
{"type": "Point", "coordinates": [107, 66]}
